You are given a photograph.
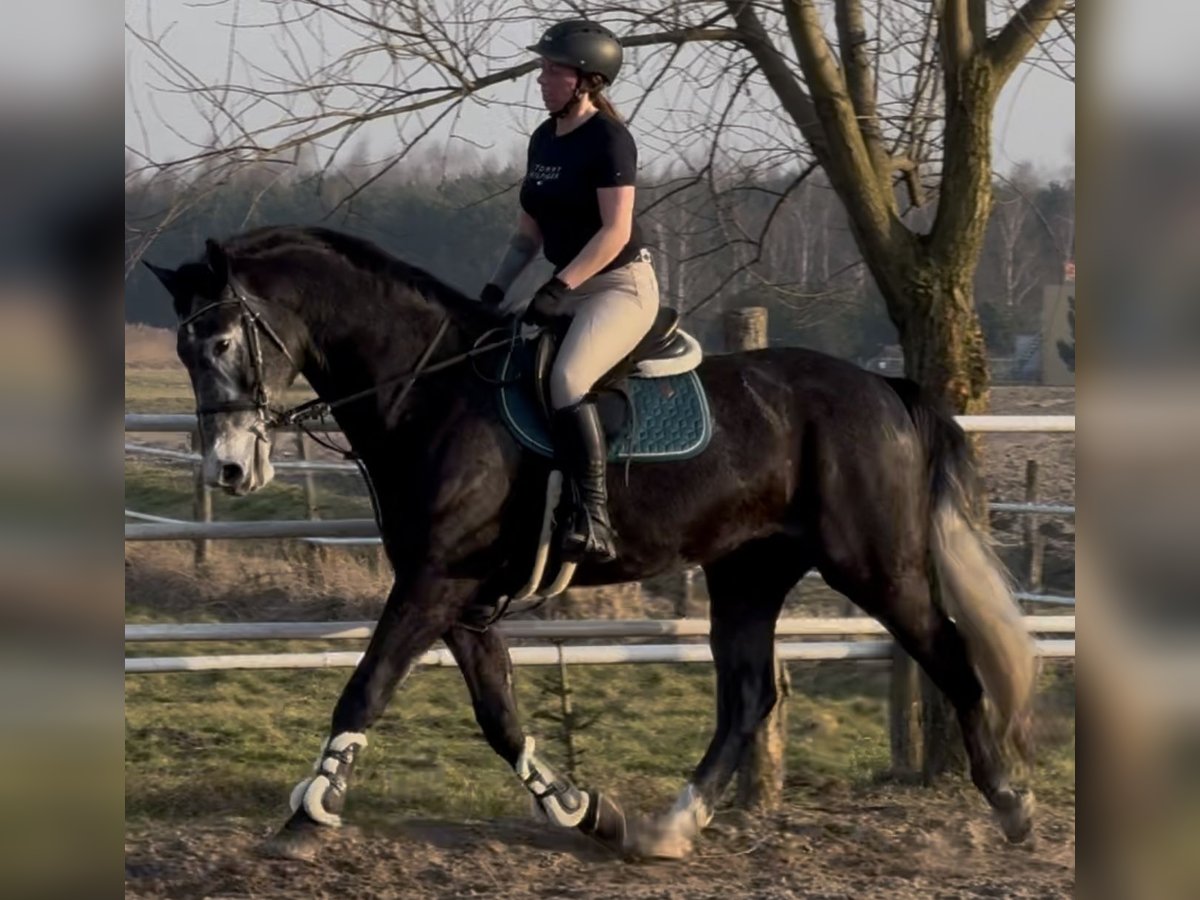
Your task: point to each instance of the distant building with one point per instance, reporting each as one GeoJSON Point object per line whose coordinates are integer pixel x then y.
{"type": "Point", "coordinates": [1058, 300]}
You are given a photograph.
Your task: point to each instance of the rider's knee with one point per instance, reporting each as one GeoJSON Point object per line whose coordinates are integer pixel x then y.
{"type": "Point", "coordinates": [566, 387]}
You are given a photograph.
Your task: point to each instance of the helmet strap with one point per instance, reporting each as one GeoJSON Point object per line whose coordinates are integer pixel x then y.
{"type": "Point", "coordinates": [570, 106]}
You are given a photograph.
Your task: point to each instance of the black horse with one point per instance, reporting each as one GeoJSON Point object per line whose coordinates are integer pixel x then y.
{"type": "Point", "coordinates": [814, 462]}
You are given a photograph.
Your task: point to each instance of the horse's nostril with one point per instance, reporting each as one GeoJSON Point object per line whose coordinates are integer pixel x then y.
{"type": "Point", "coordinates": [231, 473]}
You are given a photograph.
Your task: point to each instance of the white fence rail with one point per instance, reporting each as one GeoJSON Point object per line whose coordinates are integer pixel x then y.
{"type": "Point", "coordinates": [553, 654]}
{"type": "Point", "coordinates": [249, 530]}
{"type": "Point", "coordinates": [533, 629]}
{"type": "Point", "coordinates": [546, 656]}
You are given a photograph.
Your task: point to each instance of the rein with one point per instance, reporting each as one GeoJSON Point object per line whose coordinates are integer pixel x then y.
{"type": "Point", "coordinates": [253, 322]}
{"type": "Point", "coordinates": [316, 409]}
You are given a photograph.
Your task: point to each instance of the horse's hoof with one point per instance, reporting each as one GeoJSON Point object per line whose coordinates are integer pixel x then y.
{"type": "Point", "coordinates": [659, 839]}
{"type": "Point", "coordinates": [605, 823]}
{"type": "Point", "coordinates": [1014, 813]}
{"type": "Point", "coordinates": [297, 840]}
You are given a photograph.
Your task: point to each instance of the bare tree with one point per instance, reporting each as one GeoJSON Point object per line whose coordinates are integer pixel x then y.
{"type": "Point", "coordinates": [893, 101]}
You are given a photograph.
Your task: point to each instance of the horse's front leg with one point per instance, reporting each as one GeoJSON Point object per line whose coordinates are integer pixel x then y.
{"type": "Point", "coordinates": [418, 611]}
{"type": "Point", "coordinates": [485, 664]}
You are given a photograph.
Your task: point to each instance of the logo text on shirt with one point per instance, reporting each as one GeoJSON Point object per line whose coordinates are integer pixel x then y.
{"type": "Point", "coordinates": [542, 173]}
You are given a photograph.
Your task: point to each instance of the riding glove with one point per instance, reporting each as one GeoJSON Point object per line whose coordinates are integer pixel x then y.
{"type": "Point", "coordinates": [492, 295]}
{"type": "Point", "coordinates": [550, 302]}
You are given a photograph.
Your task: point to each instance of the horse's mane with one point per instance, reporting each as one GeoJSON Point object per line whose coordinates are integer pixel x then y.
{"type": "Point", "coordinates": [360, 255]}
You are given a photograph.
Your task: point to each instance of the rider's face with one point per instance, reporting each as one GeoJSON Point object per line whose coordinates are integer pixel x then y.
{"type": "Point", "coordinates": [558, 83]}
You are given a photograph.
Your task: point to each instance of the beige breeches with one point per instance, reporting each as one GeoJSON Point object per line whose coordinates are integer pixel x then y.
{"type": "Point", "coordinates": [615, 311]}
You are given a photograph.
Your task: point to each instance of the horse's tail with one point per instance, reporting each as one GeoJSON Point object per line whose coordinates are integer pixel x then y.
{"type": "Point", "coordinates": [973, 584]}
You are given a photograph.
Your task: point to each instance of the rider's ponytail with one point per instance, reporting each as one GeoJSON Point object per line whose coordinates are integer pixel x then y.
{"type": "Point", "coordinates": [594, 85]}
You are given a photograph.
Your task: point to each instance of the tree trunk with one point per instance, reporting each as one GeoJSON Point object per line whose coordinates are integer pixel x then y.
{"type": "Point", "coordinates": [942, 341]}
{"type": "Point", "coordinates": [944, 352]}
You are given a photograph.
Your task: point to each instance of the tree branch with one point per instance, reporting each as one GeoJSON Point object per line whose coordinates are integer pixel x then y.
{"type": "Point", "coordinates": [682, 36]}
{"type": "Point", "coordinates": [977, 22]}
{"type": "Point", "coordinates": [1006, 50]}
{"type": "Point", "coordinates": [796, 102]}
{"type": "Point", "coordinates": [866, 191]}
{"type": "Point", "coordinates": [856, 65]}
{"type": "Point", "coordinates": [957, 44]}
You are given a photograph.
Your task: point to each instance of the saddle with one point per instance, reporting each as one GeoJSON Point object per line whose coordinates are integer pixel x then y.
{"type": "Point", "coordinates": [651, 404]}
{"type": "Point", "coordinates": [665, 350]}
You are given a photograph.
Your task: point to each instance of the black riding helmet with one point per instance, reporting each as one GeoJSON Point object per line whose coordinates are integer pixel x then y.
{"type": "Point", "coordinates": [583, 45]}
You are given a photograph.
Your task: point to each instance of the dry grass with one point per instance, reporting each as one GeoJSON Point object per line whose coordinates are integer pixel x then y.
{"type": "Point", "coordinates": [150, 348]}
{"type": "Point", "coordinates": [281, 581]}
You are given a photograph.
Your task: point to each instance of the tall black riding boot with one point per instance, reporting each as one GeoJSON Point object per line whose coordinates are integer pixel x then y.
{"type": "Point", "coordinates": [579, 439]}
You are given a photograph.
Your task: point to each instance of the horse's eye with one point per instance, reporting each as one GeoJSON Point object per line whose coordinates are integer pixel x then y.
{"type": "Point", "coordinates": [220, 347]}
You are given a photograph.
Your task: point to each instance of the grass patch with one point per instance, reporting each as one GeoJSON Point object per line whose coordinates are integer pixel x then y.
{"type": "Point", "coordinates": [165, 388]}
{"type": "Point", "coordinates": [233, 743]}
{"type": "Point", "coordinates": [168, 490]}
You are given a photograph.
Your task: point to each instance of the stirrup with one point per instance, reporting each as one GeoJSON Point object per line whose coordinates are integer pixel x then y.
{"type": "Point", "coordinates": [578, 546]}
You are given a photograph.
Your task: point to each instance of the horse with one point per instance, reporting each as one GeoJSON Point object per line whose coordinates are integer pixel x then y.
{"type": "Point", "coordinates": [813, 463]}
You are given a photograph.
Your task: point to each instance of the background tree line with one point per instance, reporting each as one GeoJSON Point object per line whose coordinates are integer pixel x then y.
{"type": "Point", "coordinates": [808, 273]}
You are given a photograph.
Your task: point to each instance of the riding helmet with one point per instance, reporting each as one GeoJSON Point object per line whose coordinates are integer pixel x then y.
{"type": "Point", "coordinates": [583, 45]}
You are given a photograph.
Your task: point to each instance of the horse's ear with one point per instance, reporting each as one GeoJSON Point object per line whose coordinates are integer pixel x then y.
{"type": "Point", "coordinates": [168, 277]}
{"type": "Point", "coordinates": [218, 260]}
{"type": "Point", "coordinates": [173, 281]}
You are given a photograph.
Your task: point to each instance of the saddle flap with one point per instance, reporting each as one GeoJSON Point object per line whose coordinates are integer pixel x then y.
{"type": "Point", "coordinates": [543, 360]}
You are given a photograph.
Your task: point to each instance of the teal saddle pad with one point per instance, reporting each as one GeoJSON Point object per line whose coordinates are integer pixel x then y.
{"type": "Point", "coordinates": [670, 418]}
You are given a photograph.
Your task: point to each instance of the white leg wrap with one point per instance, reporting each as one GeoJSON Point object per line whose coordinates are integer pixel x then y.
{"type": "Point", "coordinates": [561, 802]}
{"type": "Point", "coordinates": [309, 794]}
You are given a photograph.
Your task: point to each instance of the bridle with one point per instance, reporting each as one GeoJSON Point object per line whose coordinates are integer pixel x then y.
{"type": "Point", "coordinates": [254, 324]}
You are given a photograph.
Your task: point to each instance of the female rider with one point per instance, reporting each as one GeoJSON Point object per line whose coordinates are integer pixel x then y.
{"type": "Point", "coordinates": [577, 206]}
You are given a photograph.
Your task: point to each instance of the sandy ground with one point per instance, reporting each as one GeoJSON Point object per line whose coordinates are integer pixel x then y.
{"type": "Point", "coordinates": [884, 841]}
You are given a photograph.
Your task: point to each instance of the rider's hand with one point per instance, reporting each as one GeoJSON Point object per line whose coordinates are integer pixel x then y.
{"type": "Point", "coordinates": [492, 295]}
{"type": "Point", "coordinates": [552, 301]}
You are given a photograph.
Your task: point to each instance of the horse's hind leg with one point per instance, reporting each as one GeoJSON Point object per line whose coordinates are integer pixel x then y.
{"type": "Point", "coordinates": [746, 590]}
{"type": "Point", "coordinates": [904, 603]}
{"type": "Point", "coordinates": [485, 664]}
{"type": "Point", "coordinates": [418, 611]}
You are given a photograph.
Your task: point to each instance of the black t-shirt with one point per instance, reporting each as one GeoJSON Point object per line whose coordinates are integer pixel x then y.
{"type": "Point", "coordinates": [561, 179]}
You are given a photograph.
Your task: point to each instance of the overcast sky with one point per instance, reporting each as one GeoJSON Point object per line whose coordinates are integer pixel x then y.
{"type": "Point", "coordinates": [1035, 119]}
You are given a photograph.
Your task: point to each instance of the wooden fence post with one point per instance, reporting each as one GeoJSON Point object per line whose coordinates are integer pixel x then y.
{"type": "Point", "coordinates": [201, 502]}
{"type": "Point", "coordinates": [1034, 545]}
{"type": "Point", "coordinates": [760, 777]}
{"type": "Point", "coordinates": [314, 552]}
{"type": "Point", "coordinates": [942, 749]}
{"type": "Point", "coordinates": [567, 711]}
{"type": "Point", "coordinates": [683, 604]}
{"type": "Point", "coordinates": [904, 717]}
{"type": "Point", "coordinates": [746, 329]}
